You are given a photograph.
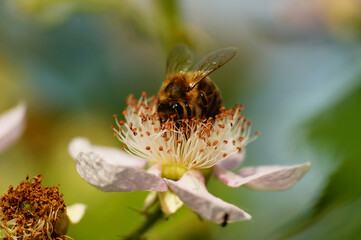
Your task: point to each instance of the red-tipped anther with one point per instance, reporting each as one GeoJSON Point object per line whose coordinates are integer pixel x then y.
{"type": "Point", "coordinates": [257, 133]}
{"type": "Point", "coordinates": [115, 134]}
{"type": "Point", "coordinates": [115, 115]}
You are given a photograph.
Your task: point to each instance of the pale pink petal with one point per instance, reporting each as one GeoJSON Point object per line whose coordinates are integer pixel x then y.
{"type": "Point", "coordinates": [193, 192]}
{"type": "Point", "coordinates": [149, 201]}
{"type": "Point", "coordinates": [233, 160]}
{"type": "Point", "coordinates": [76, 212]}
{"type": "Point", "coordinates": [109, 173]}
{"type": "Point", "coordinates": [263, 178]}
{"type": "Point", "coordinates": [155, 169]}
{"type": "Point", "coordinates": [12, 125]}
{"type": "Point", "coordinates": [169, 202]}
{"type": "Point", "coordinates": [112, 155]}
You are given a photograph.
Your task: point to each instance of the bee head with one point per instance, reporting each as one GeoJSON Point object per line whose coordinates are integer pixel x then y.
{"type": "Point", "coordinates": [170, 110]}
{"type": "Point", "coordinates": [177, 88]}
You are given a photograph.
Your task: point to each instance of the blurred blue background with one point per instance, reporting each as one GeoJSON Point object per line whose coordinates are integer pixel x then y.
{"type": "Point", "coordinates": [297, 71]}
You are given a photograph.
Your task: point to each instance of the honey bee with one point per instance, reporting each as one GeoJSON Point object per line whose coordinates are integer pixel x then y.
{"type": "Point", "coordinates": [186, 94]}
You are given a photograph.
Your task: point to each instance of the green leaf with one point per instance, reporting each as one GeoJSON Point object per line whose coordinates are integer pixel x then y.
{"type": "Point", "coordinates": [336, 132]}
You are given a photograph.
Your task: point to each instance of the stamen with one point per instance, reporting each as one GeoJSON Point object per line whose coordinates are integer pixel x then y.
{"type": "Point", "coordinates": [185, 140]}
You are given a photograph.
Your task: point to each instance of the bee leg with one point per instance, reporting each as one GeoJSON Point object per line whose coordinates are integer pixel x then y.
{"type": "Point", "coordinates": [203, 98]}
{"type": "Point", "coordinates": [203, 103]}
{"type": "Point", "coordinates": [189, 110]}
{"type": "Point", "coordinates": [161, 122]}
{"type": "Point", "coordinates": [186, 136]}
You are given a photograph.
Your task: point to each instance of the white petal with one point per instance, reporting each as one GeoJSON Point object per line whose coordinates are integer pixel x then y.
{"type": "Point", "coordinates": [169, 202]}
{"type": "Point", "coordinates": [193, 192]}
{"type": "Point", "coordinates": [149, 201]}
{"type": "Point", "coordinates": [152, 197]}
{"type": "Point", "coordinates": [233, 160]}
{"type": "Point", "coordinates": [12, 125]}
{"type": "Point", "coordinates": [263, 178]}
{"type": "Point", "coordinates": [112, 171]}
{"type": "Point", "coordinates": [155, 169]}
{"type": "Point", "coordinates": [113, 155]}
{"type": "Point", "coordinates": [76, 212]}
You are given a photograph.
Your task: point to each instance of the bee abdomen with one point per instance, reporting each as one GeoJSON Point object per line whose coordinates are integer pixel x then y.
{"type": "Point", "coordinates": [209, 98]}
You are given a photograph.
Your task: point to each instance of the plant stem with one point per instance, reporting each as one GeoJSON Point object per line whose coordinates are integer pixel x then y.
{"type": "Point", "coordinates": [151, 219]}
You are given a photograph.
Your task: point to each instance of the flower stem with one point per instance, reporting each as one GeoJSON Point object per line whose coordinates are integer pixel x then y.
{"type": "Point", "coordinates": [151, 219]}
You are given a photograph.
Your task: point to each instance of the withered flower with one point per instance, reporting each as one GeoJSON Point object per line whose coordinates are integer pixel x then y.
{"type": "Point", "coordinates": [31, 211]}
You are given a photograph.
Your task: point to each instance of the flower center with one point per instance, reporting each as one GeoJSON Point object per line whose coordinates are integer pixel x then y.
{"type": "Point", "coordinates": [173, 172]}
{"type": "Point", "coordinates": [183, 144]}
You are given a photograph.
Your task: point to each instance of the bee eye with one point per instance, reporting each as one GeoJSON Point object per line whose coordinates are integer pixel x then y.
{"type": "Point", "coordinates": [179, 109]}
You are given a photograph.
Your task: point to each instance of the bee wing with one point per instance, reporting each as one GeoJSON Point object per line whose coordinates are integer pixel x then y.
{"type": "Point", "coordinates": [180, 58]}
{"type": "Point", "coordinates": [212, 62]}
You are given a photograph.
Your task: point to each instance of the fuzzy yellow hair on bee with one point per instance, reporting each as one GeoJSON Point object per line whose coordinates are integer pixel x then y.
{"type": "Point", "coordinates": [191, 93]}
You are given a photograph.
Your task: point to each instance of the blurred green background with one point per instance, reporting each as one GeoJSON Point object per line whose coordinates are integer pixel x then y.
{"type": "Point", "coordinates": [297, 71]}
